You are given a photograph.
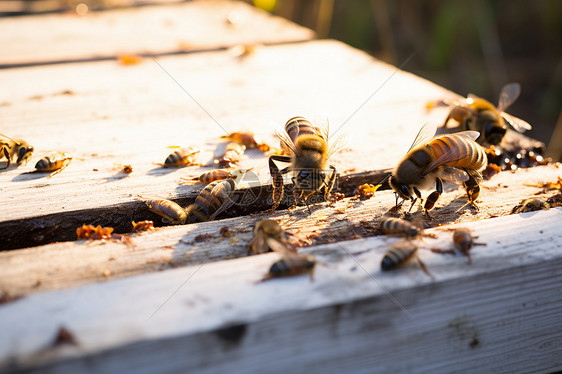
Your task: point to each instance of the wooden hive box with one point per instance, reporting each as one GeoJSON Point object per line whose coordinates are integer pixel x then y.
{"type": "Point", "coordinates": [185, 297]}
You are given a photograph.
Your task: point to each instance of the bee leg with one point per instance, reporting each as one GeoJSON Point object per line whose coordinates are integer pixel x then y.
{"type": "Point", "coordinates": [434, 196]}
{"type": "Point", "coordinates": [277, 178]}
{"type": "Point", "coordinates": [418, 196]}
{"type": "Point", "coordinates": [56, 171]}
{"type": "Point", "coordinates": [331, 183]}
{"type": "Point", "coordinates": [472, 189]}
{"type": "Point", "coordinates": [424, 268]}
{"type": "Point", "coordinates": [7, 155]}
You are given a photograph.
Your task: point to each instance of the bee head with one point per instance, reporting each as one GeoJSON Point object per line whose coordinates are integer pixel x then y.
{"type": "Point", "coordinates": [310, 179]}
{"type": "Point", "coordinates": [24, 153]}
{"type": "Point", "coordinates": [403, 190]}
{"type": "Point", "coordinates": [494, 133]}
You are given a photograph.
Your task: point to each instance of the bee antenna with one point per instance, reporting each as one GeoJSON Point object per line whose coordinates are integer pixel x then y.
{"type": "Point", "coordinates": [379, 185]}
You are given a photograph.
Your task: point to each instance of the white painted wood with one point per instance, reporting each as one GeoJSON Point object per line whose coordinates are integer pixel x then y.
{"type": "Point", "coordinates": [70, 264]}
{"type": "Point", "coordinates": [129, 115]}
{"type": "Point", "coordinates": [191, 26]}
{"type": "Point", "coordinates": [500, 314]}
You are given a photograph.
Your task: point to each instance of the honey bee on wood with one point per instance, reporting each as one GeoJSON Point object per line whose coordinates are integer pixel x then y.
{"type": "Point", "coordinates": [291, 265]}
{"type": "Point", "coordinates": [401, 254]}
{"type": "Point", "coordinates": [229, 155]}
{"type": "Point", "coordinates": [453, 157]}
{"type": "Point", "coordinates": [90, 232]}
{"type": "Point", "coordinates": [143, 226]}
{"type": "Point", "coordinates": [55, 162]}
{"type": "Point", "coordinates": [181, 157]}
{"type": "Point", "coordinates": [170, 211]}
{"type": "Point", "coordinates": [530, 205]}
{"type": "Point", "coordinates": [214, 199]}
{"type": "Point", "coordinates": [17, 149]}
{"type": "Point", "coordinates": [397, 226]}
{"type": "Point", "coordinates": [477, 114]}
{"type": "Point", "coordinates": [268, 237]}
{"type": "Point", "coordinates": [309, 154]}
{"type": "Point", "coordinates": [218, 174]}
{"type": "Point", "coordinates": [248, 139]}
{"type": "Point", "coordinates": [463, 240]}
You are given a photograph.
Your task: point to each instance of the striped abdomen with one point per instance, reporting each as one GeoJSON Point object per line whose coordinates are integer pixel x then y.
{"type": "Point", "coordinates": [168, 210]}
{"type": "Point", "coordinates": [292, 265]}
{"type": "Point", "coordinates": [214, 175]}
{"type": "Point", "coordinates": [210, 199]}
{"type": "Point", "coordinates": [298, 126]}
{"type": "Point", "coordinates": [399, 226]}
{"type": "Point", "coordinates": [471, 154]}
{"type": "Point", "coordinates": [182, 156]}
{"type": "Point", "coordinates": [54, 161]}
{"type": "Point", "coordinates": [400, 254]}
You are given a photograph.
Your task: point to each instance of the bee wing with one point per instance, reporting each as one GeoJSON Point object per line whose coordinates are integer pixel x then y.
{"type": "Point", "coordinates": [424, 135]}
{"type": "Point", "coordinates": [454, 175]}
{"type": "Point", "coordinates": [276, 245]}
{"type": "Point", "coordinates": [336, 145]}
{"type": "Point", "coordinates": [518, 124]}
{"type": "Point", "coordinates": [473, 135]}
{"type": "Point", "coordinates": [510, 93]}
{"type": "Point", "coordinates": [285, 139]}
{"type": "Point", "coordinates": [258, 241]}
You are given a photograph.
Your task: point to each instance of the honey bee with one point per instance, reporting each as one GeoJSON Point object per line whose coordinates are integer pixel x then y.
{"type": "Point", "coordinates": [170, 211]}
{"type": "Point", "coordinates": [397, 226]}
{"type": "Point", "coordinates": [453, 157]}
{"type": "Point", "coordinates": [530, 205]}
{"type": "Point", "coordinates": [14, 148]}
{"type": "Point", "coordinates": [291, 265]}
{"type": "Point", "coordinates": [268, 236]}
{"type": "Point", "coordinates": [230, 155]}
{"type": "Point", "coordinates": [463, 240]}
{"type": "Point", "coordinates": [214, 199]}
{"type": "Point", "coordinates": [55, 162]}
{"type": "Point", "coordinates": [219, 174]}
{"type": "Point", "coordinates": [401, 254]}
{"type": "Point", "coordinates": [309, 154]}
{"type": "Point", "coordinates": [181, 157]}
{"type": "Point", "coordinates": [475, 113]}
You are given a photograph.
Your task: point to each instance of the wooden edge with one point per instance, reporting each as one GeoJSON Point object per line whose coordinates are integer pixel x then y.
{"type": "Point", "coordinates": [117, 320]}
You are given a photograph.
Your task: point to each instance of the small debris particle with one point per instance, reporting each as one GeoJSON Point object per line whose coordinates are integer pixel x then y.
{"type": "Point", "coordinates": [203, 237]}
{"type": "Point", "coordinates": [225, 232]}
{"type": "Point", "coordinates": [5, 297]}
{"type": "Point", "coordinates": [143, 226]}
{"type": "Point", "coordinates": [490, 171]}
{"type": "Point", "coordinates": [129, 59]}
{"type": "Point", "coordinates": [366, 191]}
{"type": "Point", "coordinates": [64, 336]}
{"type": "Point", "coordinates": [234, 240]}
{"type": "Point", "coordinates": [90, 232]}
{"type": "Point", "coordinates": [95, 169]}
{"type": "Point", "coordinates": [106, 273]}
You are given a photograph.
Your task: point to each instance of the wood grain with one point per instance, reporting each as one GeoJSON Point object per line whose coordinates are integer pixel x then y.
{"type": "Point", "coordinates": [149, 30]}
{"type": "Point", "coordinates": [506, 304]}
{"type": "Point", "coordinates": [65, 265]}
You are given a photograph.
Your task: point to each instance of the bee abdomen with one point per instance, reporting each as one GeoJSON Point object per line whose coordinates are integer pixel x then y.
{"type": "Point", "coordinates": [214, 175]}
{"type": "Point", "coordinates": [396, 257]}
{"type": "Point", "coordinates": [398, 226]}
{"type": "Point", "coordinates": [298, 126]}
{"type": "Point", "coordinates": [472, 155]}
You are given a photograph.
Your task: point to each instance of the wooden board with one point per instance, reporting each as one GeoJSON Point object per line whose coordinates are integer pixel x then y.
{"type": "Point", "coordinates": [150, 30]}
{"type": "Point", "coordinates": [105, 114]}
{"type": "Point", "coordinates": [352, 317]}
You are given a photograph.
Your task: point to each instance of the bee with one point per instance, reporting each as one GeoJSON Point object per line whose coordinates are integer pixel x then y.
{"type": "Point", "coordinates": [463, 240]}
{"type": "Point", "coordinates": [248, 139]}
{"type": "Point", "coordinates": [14, 148]}
{"type": "Point", "coordinates": [181, 157]}
{"type": "Point", "coordinates": [453, 157]}
{"type": "Point", "coordinates": [268, 236]}
{"type": "Point", "coordinates": [230, 155]}
{"type": "Point", "coordinates": [219, 174]}
{"type": "Point", "coordinates": [530, 205]}
{"type": "Point", "coordinates": [55, 162]}
{"type": "Point", "coordinates": [401, 254]}
{"type": "Point", "coordinates": [308, 157]}
{"type": "Point", "coordinates": [480, 115]}
{"type": "Point", "coordinates": [397, 226]}
{"type": "Point", "coordinates": [170, 211]}
{"type": "Point", "coordinates": [214, 199]}
{"type": "Point", "coordinates": [291, 265]}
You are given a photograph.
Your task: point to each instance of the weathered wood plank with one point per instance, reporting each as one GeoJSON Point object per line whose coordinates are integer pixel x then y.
{"type": "Point", "coordinates": [105, 114]}
{"type": "Point", "coordinates": [150, 30]}
{"type": "Point", "coordinates": [64, 265]}
{"type": "Point", "coordinates": [506, 304]}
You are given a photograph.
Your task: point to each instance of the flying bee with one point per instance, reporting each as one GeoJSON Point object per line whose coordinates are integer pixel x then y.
{"type": "Point", "coordinates": [463, 240]}
{"type": "Point", "coordinates": [477, 114]}
{"type": "Point", "coordinates": [248, 139]}
{"type": "Point", "coordinates": [453, 157]}
{"type": "Point", "coordinates": [397, 226]}
{"type": "Point", "coordinates": [229, 155]}
{"type": "Point", "coordinates": [268, 236]}
{"type": "Point", "coordinates": [55, 162]}
{"type": "Point", "coordinates": [181, 157]}
{"type": "Point", "coordinates": [170, 211]}
{"type": "Point", "coordinates": [401, 254]}
{"type": "Point", "coordinates": [214, 199]}
{"type": "Point", "coordinates": [291, 265]}
{"type": "Point", "coordinates": [308, 157]}
{"type": "Point", "coordinates": [17, 149]}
